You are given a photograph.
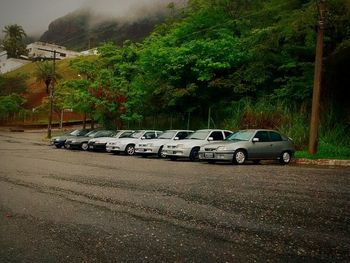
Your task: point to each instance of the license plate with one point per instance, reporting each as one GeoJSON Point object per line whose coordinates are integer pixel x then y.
{"type": "Point", "coordinates": [208, 155]}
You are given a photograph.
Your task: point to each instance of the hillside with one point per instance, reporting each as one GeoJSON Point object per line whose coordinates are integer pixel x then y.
{"type": "Point", "coordinates": [36, 90]}
{"type": "Point", "coordinates": [79, 31]}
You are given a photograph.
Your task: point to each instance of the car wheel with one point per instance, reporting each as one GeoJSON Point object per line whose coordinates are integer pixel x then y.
{"type": "Point", "coordinates": [239, 157]}
{"type": "Point", "coordinates": [285, 157]}
{"type": "Point", "coordinates": [194, 156]}
{"type": "Point", "coordinates": [84, 146]}
{"type": "Point", "coordinates": [160, 153]}
{"type": "Point", "coordinates": [58, 146]}
{"type": "Point", "coordinates": [130, 149]}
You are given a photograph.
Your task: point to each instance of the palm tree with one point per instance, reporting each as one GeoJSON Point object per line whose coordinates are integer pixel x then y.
{"type": "Point", "coordinates": [45, 73]}
{"type": "Point", "coordinates": [14, 41]}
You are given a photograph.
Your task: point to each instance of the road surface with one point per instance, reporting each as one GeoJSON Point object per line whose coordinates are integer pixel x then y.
{"type": "Point", "coordinates": [58, 205]}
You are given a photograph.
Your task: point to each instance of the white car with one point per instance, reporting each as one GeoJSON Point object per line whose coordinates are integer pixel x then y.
{"type": "Point", "coordinates": [189, 147]}
{"type": "Point", "coordinates": [127, 145]}
{"type": "Point", "coordinates": [155, 147]}
{"type": "Point", "coordinates": [99, 144]}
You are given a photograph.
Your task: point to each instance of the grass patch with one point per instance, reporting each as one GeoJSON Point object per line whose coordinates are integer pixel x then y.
{"type": "Point", "coordinates": [326, 151]}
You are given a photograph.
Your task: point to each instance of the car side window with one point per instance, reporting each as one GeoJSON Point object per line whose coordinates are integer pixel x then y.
{"type": "Point", "coordinates": [263, 136]}
{"type": "Point", "coordinates": [217, 136]}
{"type": "Point", "coordinates": [150, 135]}
{"type": "Point", "coordinates": [227, 133]}
{"type": "Point", "coordinates": [182, 135]}
{"type": "Point", "coordinates": [275, 136]}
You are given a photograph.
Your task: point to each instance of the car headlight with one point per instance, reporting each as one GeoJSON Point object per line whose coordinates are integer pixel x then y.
{"type": "Point", "coordinates": [221, 148]}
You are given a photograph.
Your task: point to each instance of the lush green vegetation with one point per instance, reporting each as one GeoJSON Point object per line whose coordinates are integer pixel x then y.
{"type": "Point", "coordinates": [249, 63]}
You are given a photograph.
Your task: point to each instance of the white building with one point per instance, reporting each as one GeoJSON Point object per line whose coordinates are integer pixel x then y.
{"type": "Point", "coordinates": [41, 50]}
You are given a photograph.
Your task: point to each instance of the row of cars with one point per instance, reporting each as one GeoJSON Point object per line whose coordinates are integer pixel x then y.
{"type": "Point", "coordinates": [211, 145]}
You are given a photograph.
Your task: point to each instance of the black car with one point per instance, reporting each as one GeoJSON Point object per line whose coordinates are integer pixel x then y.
{"type": "Point", "coordinates": [59, 141]}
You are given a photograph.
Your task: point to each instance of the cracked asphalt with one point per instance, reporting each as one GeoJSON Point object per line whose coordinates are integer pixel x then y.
{"type": "Point", "coordinates": [58, 205]}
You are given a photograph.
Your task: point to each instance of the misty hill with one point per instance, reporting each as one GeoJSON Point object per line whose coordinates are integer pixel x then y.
{"type": "Point", "coordinates": [82, 30]}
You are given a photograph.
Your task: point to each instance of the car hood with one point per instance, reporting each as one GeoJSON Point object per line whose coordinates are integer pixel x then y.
{"type": "Point", "coordinates": [102, 139]}
{"type": "Point", "coordinates": [229, 144]}
{"type": "Point", "coordinates": [156, 142]}
{"type": "Point", "coordinates": [189, 143]}
{"type": "Point", "coordinates": [124, 140]}
{"type": "Point", "coordinates": [81, 139]}
{"type": "Point", "coordinates": [63, 137]}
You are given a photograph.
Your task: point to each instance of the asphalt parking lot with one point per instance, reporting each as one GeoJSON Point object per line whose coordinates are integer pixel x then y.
{"type": "Point", "coordinates": [58, 205]}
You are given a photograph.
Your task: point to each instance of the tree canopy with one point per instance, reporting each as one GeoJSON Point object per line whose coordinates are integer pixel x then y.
{"type": "Point", "coordinates": [13, 42]}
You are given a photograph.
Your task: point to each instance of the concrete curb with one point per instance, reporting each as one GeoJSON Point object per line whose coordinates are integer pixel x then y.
{"type": "Point", "coordinates": [322, 162]}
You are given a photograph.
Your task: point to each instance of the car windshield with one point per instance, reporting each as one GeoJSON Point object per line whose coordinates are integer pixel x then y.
{"type": "Point", "coordinates": [75, 132]}
{"type": "Point", "coordinates": [167, 135]}
{"type": "Point", "coordinates": [199, 135]}
{"type": "Point", "coordinates": [137, 134]}
{"type": "Point", "coordinates": [240, 136]}
{"type": "Point", "coordinates": [102, 133]}
{"type": "Point", "coordinates": [91, 133]}
{"type": "Point", "coordinates": [126, 134]}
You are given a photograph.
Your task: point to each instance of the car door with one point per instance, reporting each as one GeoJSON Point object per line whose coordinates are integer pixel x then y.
{"type": "Point", "coordinates": [277, 144]}
{"type": "Point", "coordinates": [261, 149]}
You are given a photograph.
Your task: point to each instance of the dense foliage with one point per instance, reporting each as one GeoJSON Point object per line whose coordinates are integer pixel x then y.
{"type": "Point", "coordinates": [251, 62]}
{"type": "Point", "coordinates": [14, 41]}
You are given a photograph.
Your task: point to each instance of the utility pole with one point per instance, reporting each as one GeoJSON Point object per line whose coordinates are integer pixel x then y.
{"type": "Point", "coordinates": [313, 139]}
{"type": "Point", "coordinates": [52, 81]}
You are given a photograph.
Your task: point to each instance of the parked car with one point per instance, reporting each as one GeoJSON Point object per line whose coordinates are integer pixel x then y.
{"type": "Point", "coordinates": [127, 145]}
{"type": "Point", "coordinates": [189, 147]}
{"type": "Point", "coordinates": [155, 147]}
{"type": "Point", "coordinates": [82, 142]}
{"type": "Point", "coordinates": [99, 144]}
{"type": "Point", "coordinates": [252, 145]}
{"type": "Point", "coordinates": [59, 141]}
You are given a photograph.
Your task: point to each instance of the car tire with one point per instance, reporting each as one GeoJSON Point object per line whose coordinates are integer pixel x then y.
{"type": "Point", "coordinates": [285, 157]}
{"type": "Point", "coordinates": [194, 155]}
{"type": "Point", "coordinates": [84, 146]}
{"type": "Point", "coordinates": [130, 150]}
{"type": "Point", "coordinates": [58, 146]}
{"type": "Point", "coordinates": [239, 157]}
{"type": "Point", "coordinates": [160, 152]}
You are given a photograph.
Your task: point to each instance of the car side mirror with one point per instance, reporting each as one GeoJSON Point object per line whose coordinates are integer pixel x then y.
{"type": "Point", "coordinates": [176, 138]}
{"type": "Point", "coordinates": [210, 139]}
{"type": "Point", "coordinates": [143, 137]}
{"type": "Point", "coordinates": [255, 139]}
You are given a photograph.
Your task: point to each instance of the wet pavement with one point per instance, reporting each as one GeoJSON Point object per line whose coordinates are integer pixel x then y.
{"type": "Point", "coordinates": [58, 205]}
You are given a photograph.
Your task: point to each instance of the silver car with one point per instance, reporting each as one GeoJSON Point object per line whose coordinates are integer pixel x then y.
{"type": "Point", "coordinates": [252, 145]}
{"type": "Point", "coordinates": [155, 147]}
{"type": "Point", "coordinates": [189, 147]}
{"type": "Point", "coordinates": [99, 144]}
{"type": "Point", "coordinates": [127, 145]}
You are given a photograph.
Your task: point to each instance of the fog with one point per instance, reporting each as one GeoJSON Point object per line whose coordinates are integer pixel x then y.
{"type": "Point", "coordinates": [35, 15]}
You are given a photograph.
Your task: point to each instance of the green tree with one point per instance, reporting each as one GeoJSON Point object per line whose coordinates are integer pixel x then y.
{"type": "Point", "coordinates": [13, 42]}
{"type": "Point", "coordinates": [11, 104]}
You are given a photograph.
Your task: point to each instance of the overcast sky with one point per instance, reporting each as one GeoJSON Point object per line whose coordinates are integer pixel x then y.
{"type": "Point", "coordinates": [35, 15]}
